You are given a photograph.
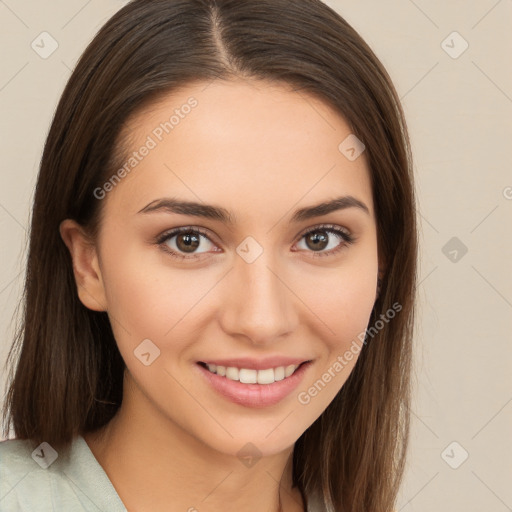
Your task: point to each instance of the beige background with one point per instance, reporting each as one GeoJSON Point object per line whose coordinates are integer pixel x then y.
{"type": "Point", "coordinates": [459, 114]}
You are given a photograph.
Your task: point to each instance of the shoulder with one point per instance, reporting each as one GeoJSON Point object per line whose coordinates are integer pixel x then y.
{"type": "Point", "coordinates": [22, 476]}
{"type": "Point", "coordinates": [17, 460]}
{"type": "Point", "coordinates": [38, 478]}
{"type": "Point", "coordinates": [14, 451]}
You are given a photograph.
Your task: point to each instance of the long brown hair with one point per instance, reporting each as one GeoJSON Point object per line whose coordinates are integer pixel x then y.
{"type": "Point", "coordinates": [66, 375]}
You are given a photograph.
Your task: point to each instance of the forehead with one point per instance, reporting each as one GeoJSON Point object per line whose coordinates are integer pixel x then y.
{"type": "Point", "coordinates": [248, 146]}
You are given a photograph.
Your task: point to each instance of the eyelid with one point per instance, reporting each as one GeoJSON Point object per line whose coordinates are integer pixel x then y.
{"type": "Point", "coordinates": [183, 229]}
{"type": "Point", "coordinates": [333, 227]}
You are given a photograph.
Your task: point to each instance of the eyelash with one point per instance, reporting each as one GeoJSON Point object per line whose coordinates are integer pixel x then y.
{"type": "Point", "coordinates": [346, 237]}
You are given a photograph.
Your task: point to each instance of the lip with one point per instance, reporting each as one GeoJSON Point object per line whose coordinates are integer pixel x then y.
{"type": "Point", "coordinates": [254, 395]}
{"type": "Point", "coordinates": [257, 364]}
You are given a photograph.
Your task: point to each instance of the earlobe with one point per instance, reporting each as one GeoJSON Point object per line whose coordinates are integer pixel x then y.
{"type": "Point", "coordinates": [86, 269]}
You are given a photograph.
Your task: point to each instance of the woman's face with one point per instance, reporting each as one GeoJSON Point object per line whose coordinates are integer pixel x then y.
{"type": "Point", "coordinates": [244, 286]}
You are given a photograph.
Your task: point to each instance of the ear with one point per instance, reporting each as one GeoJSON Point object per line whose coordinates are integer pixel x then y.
{"type": "Point", "coordinates": [86, 269]}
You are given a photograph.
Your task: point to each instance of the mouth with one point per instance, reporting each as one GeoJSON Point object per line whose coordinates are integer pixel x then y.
{"type": "Point", "coordinates": [243, 375]}
{"type": "Point", "coordinates": [251, 387]}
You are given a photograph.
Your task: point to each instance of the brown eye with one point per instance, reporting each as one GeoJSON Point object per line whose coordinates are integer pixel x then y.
{"type": "Point", "coordinates": [326, 237]}
{"type": "Point", "coordinates": [185, 242]}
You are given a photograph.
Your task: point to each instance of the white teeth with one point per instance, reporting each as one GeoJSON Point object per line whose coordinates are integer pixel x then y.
{"type": "Point", "coordinates": [249, 376]}
{"type": "Point", "coordinates": [265, 376]}
{"type": "Point", "coordinates": [289, 370]}
{"type": "Point", "coordinates": [232, 373]}
{"type": "Point", "coordinates": [279, 373]}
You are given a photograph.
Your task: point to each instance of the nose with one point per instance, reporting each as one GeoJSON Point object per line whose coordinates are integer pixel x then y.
{"type": "Point", "coordinates": [258, 303]}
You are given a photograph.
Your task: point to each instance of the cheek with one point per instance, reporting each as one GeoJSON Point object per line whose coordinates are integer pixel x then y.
{"type": "Point", "coordinates": [150, 298]}
{"type": "Point", "coordinates": [343, 296]}
{"type": "Point", "coordinates": [342, 301]}
{"type": "Point", "coordinates": [346, 316]}
{"type": "Point", "coordinates": [347, 306]}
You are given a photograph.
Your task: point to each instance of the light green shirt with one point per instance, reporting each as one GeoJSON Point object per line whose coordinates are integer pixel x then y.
{"type": "Point", "coordinates": [72, 484]}
{"type": "Point", "coordinates": [34, 480]}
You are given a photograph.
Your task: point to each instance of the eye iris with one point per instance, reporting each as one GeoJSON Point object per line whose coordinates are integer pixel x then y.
{"type": "Point", "coordinates": [319, 239]}
{"type": "Point", "coordinates": [190, 242]}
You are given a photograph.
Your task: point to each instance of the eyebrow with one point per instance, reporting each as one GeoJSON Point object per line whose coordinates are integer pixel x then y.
{"type": "Point", "coordinates": [172, 205]}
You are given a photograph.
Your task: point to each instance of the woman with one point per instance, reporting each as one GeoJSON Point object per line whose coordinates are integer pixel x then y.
{"type": "Point", "coordinates": [220, 284]}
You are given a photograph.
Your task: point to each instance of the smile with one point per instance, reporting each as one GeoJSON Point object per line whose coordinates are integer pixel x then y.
{"type": "Point", "coordinates": [251, 376]}
{"type": "Point", "coordinates": [250, 387]}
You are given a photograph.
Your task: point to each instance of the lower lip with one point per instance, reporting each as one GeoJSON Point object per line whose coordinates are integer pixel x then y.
{"type": "Point", "coordinates": [254, 395]}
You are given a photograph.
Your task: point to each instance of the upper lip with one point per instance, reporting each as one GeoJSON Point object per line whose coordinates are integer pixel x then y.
{"type": "Point", "coordinates": [257, 364]}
